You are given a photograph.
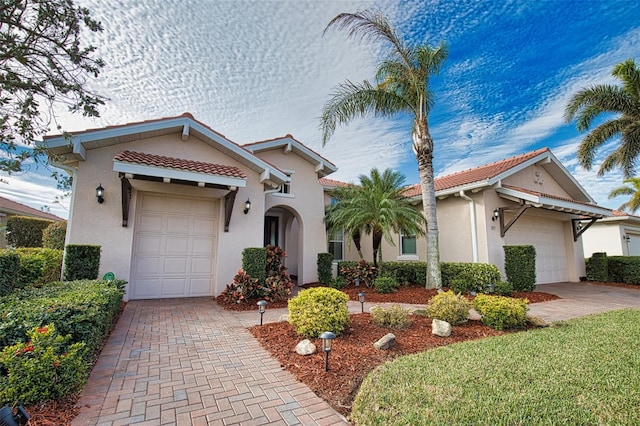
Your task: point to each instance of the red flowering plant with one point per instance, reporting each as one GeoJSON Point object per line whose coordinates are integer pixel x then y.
{"type": "Point", "coordinates": [242, 288]}
{"type": "Point", "coordinates": [44, 368]}
{"type": "Point", "coordinates": [363, 272]}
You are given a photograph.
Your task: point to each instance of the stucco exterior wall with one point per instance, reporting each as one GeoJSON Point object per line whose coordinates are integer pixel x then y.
{"type": "Point", "coordinates": [305, 202]}
{"type": "Point", "coordinates": [101, 224]}
{"type": "Point", "coordinates": [538, 179]}
{"type": "Point", "coordinates": [604, 237]}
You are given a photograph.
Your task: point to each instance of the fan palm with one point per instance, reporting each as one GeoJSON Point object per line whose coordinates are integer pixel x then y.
{"type": "Point", "coordinates": [402, 86]}
{"type": "Point", "coordinates": [634, 190]}
{"type": "Point", "coordinates": [376, 207]}
{"type": "Point", "coordinates": [623, 101]}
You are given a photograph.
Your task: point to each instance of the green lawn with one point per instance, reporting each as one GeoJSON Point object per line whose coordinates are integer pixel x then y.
{"type": "Point", "coordinates": [580, 372]}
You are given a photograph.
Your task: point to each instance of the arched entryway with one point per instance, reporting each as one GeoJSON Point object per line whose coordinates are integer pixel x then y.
{"type": "Point", "coordinates": [283, 227]}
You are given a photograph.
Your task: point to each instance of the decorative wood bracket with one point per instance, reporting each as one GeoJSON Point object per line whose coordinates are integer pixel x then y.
{"type": "Point", "coordinates": [579, 228]}
{"type": "Point", "coordinates": [229, 199]}
{"type": "Point", "coordinates": [520, 210]}
{"type": "Point", "coordinates": [126, 199]}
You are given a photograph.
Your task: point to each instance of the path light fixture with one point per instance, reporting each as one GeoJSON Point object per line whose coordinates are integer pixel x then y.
{"type": "Point", "coordinates": [327, 337]}
{"type": "Point", "coordinates": [491, 287]}
{"type": "Point", "coordinates": [358, 282]}
{"type": "Point", "coordinates": [361, 299]}
{"type": "Point", "coordinates": [100, 193]}
{"type": "Point", "coordinates": [496, 215]}
{"type": "Point", "coordinates": [247, 206]}
{"type": "Point", "coordinates": [262, 307]}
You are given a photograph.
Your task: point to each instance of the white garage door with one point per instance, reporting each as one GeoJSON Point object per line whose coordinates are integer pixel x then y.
{"type": "Point", "coordinates": [547, 236]}
{"type": "Point", "coordinates": [174, 247]}
{"type": "Point", "coordinates": [633, 244]}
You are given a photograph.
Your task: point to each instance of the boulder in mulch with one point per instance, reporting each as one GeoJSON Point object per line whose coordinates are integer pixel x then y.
{"type": "Point", "coordinates": [440, 328]}
{"type": "Point", "coordinates": [385, 342]}
{"type": "Point", "coordinates": [305, 347]}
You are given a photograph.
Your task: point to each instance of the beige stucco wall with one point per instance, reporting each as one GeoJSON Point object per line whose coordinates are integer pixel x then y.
{"type": "Point", "coordinates": [604, 237]}
{"type": "Point", "coordinates": [93, 223]}
{"type": "Point", "coordinates": [527, 178]}
{"type": "Point", "coordinates": [305, 207]}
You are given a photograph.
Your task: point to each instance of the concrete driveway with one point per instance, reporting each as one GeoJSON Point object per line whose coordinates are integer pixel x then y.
{"type": "Point", "coordinates": [188, 362]}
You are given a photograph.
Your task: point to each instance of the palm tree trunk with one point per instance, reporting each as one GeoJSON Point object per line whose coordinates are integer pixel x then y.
{"type": "Point", "coordinates": [355, 236]}
{"type": "Point", "coordinates": [377, 239]}
{"type": "Point", "coordinates": [423, 148]}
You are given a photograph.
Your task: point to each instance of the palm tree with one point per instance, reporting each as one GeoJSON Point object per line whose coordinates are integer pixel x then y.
{"type": "Point", "coordinates": [634, 202]}
{"type": "Point", "coordinates": [602, 99]}
{"type": "Point", "coordinates": [402, 86]}
{"type": "Point", "coordinates": [376, 207]}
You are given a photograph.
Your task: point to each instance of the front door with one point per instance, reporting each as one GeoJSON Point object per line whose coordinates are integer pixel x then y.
{"type": "Point", "coordinates": [271, 230]}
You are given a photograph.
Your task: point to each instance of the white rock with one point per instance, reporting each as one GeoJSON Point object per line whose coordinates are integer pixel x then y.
{"type": "Point", "coordinates": [305, 347]}
{"type": "Point", "coordinates": [283, 317]}
{"type": "Point", "coordinates": [385, 342]}
{"type": "Point", "coordinates": [440, 328]}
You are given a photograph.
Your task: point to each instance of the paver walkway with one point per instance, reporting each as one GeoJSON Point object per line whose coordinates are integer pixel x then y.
{"type": "Point", "coordinates": [189, 362]}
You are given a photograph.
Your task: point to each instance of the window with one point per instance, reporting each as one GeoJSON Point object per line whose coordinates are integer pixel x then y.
{"type": "Point", "coordinates": [285, 188]}
{"type": "Point", "coordinates": [336, 245]}
{"type": "Point", "coordinates": [408, 245]}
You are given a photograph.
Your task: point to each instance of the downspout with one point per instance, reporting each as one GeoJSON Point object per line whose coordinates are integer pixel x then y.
{"type": "Point", "coordinates": [72, 172]}
{"type": "Point", "coordinates": [474, 231]}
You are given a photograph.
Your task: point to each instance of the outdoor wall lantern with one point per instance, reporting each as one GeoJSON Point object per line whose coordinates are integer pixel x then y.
{"type": "Point", "coordinates": [262, 307]}
{"type": "Point", "coordinates": [496, 215]}
{"type": "Point", "coordinates": [327, 337]}
{"type": "Point", "coordinates": [247, 206]}
{"type": "Point", "coordinates": [100, 194]}
{"type": "Point", "coordinates": [361, 299]}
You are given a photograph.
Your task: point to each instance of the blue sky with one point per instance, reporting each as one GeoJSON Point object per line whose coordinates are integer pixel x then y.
{"type": "Point", "coordinates": [256, 70]}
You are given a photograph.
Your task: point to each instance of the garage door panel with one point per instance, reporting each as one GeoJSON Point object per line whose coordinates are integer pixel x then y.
{"type": "Point", "coordinates": [175, 245]}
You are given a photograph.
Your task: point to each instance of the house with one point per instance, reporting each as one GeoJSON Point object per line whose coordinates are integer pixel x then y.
{"type": "Point", "coordinates": [617, 235]}
{"type": "Point", "coordinates": [528, 199]}
{"type": "Point", "coordinates": [11, 208]}
{"type": "Point", "coordinates": [181, 201]}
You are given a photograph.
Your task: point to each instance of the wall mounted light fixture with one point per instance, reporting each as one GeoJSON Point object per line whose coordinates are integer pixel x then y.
{"type": "Point", "coordinates": [247, 206]}
{"type": "Point", "coordinates": [496, 215]}
{"type": "Point", "coordinates": [100, 194]}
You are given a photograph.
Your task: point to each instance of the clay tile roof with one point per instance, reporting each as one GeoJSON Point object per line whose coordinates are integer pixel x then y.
{"type": "Point", "coordinates": [476, 174]}
{"type": "Point", "coordinates": [179, 164]}
{"type": "Point", "coordinates": [332, 182]}
{"type": "Point", "coordinates": [20, 209]}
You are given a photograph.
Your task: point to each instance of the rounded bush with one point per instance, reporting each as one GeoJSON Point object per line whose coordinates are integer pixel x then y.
{"type": "Point", "coordinates": [503, 288]}
{"type": "Point", "coordinates": [319, 309]}
{"type": "Point", "coordinates": [501, 312]}
{"type": "Point", "coordinates": [450, 307]}
{"type": "Point", "coordinates": [338, 282]}
{"type": "Point", "coordinates": [385, 284]}
{"type": "Point", "coordinates": [394, 317]}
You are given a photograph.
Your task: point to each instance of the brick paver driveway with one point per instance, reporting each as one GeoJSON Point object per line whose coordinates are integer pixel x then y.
{"type": "Point", "coordinates": [186, 361]}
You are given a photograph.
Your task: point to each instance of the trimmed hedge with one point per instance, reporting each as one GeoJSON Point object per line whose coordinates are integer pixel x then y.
{"type": "Point", "coordinates": [24, 231]}
{"type": "Point", "coordinates": [81, 262]}
{"type": "Point", "coordinates": [623, 269]}
{"type": "Point", "coordinates": [38, 266]}
{"type": "Point", "coordinates": [520, 267]}
{"type": "Point", "coordinates": [501, 312]}
{"type": "Point", "coordinates": [84, 309]}
{"type": "Point", "coordinates": [9, 267]}
{"type": "Point", "coordinates": [319, 309]}
{"type": "Point", "coordinates": [597, 267]}
{"type": "Point", "coordinates": [53, 236]}
{"type": "Point", "coordinates": [254, 263]}
{"type": "Point", "coordinates": [324, 268]}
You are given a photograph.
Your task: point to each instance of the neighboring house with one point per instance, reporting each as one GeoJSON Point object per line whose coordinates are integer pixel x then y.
{"type": "Point", "coordinates": [182, 201]}
{"type": "Point", "coordinates": [618, 235]}
{"type": "Point", "coordinates": [11, 208]}
{"type": "Point", "coordinates": [527, 199]}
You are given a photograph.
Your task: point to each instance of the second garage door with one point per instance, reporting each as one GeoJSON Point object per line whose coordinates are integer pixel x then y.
{"type": "Point", "coordinates": [547, 236]}
{"type": "Point", "coordinates": [174, 246]}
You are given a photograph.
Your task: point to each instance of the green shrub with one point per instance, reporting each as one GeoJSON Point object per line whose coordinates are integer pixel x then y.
{"type": "Point", "coordinates": [597, 267]}
{"type": "Point", "coordinates": [338, 282]}
{"type": "Point", "coordinates": [38, 266]}
{"type": "Point", "coordinates": [403, 272]}
{"type": "Point", "coordinates": [277, 285]}
{"type": "Point", "coordinates": [84, 309]}
{"type": "Point", "coordinates": [324, 268]}
{"type": "Point", "coordinates": [501, 312]}
{"type": "Point", "coordinates": [81, 262]}
{"type": "Point", "coordinates": [624, 269]}
{"type": "Point", "coordinates": [520, 267]}
{"type": "Point", "coordinates": [503, 288]}
{"type": "Point", "coordinates": [395, 317]}
{"type": "Point", "coordinates": [450, 307]}
{"type": "Point", "coordinates": [467, 277]}
{"type": "Point", "coordinates": [9, 268]}
{"type": "Point", "coordinates": [53, 236]}
{"type": "Point", "coordinates": [254, 262]}
{"type": "Point", "coordinates": [385, 284]}
{"type": "Point", "coordinates": [23, 231]}
{"type": "Point", "coordinates": [319, 309]}
{"type": "Point", "coordinates": [44, 368]}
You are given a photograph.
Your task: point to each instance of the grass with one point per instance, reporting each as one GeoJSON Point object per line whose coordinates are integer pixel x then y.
{"type": "Point", "coordinates": [581, 372]}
